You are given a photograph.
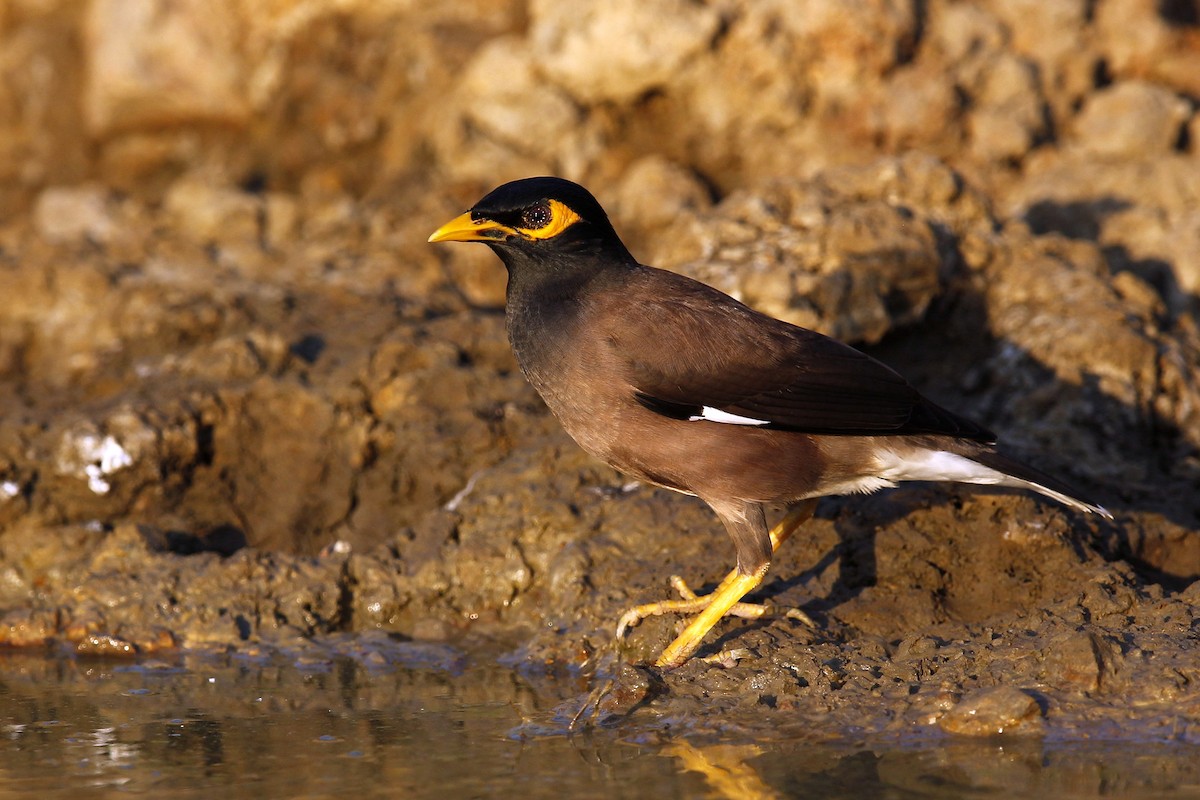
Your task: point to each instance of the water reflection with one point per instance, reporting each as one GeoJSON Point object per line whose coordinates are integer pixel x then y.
{"type": "Point", "coordinates": [725, 767]}
{"type": "Point", "coordinates": [438, 726]}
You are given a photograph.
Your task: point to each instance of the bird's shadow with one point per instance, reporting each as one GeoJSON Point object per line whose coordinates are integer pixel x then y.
{"type": "Point", "coordinates": [854, 553]}
{"type": "Point", "coordinates": [1127, 456]}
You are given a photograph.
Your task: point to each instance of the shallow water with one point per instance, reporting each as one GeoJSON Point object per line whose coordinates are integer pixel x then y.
{"type": "Point", "coordinates": [439, 725]}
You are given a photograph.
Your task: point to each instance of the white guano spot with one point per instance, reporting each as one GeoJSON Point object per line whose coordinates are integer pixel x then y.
{"type": "Point", "coordinates": [101, 457]}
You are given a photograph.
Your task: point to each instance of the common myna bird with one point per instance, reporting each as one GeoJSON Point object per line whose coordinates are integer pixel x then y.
{"type": "Point", "coordinates": [682, 386]}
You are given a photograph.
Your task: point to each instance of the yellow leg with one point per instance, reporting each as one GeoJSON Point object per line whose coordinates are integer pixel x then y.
{"type": "Point", "coordinates": [723, 600]}
{"type": "Point", "coordinates": [796, 516]}
{"type": "Point", "coordinates": [719, 603]}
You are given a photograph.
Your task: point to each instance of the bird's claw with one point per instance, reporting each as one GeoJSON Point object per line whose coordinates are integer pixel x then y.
{"type": "Point", "coordinates": [800, 616]}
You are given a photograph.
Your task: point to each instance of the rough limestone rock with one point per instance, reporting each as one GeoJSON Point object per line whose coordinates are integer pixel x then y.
{"type": "Point", "coordinates": [143, 65]}
{"type": "Point", "coordinates": [852, 268]}
{"type": "Point", "coordinates": [617, 51]}
{"type": "Point", "coordinates": [1133, 119]}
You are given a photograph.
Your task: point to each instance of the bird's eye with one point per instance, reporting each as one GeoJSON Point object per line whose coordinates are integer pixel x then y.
{"type": "Point", "coordinates": [536, 217]}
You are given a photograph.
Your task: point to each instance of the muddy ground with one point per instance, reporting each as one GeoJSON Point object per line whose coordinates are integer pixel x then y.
{"type": "Point", "coordinates": [244, 407]}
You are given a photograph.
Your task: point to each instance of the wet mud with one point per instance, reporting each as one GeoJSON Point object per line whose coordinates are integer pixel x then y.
{"type": "Point", "coordinates": [244, 407]}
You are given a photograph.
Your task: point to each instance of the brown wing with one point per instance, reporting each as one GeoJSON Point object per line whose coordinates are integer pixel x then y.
{"type": "Point", "coordinates": [688, 346]}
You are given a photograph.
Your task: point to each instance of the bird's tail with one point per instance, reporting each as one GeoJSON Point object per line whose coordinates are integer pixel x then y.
{"type": "Point", "coordinates": [1020, 475]}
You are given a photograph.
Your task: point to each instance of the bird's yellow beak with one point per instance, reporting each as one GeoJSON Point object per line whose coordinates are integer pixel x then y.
{"type": "Point", "coordinates": [464, 229]}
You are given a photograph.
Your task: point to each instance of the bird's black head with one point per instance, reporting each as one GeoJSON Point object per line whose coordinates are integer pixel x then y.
{"type": "Point", "coordinates": [543, 222]}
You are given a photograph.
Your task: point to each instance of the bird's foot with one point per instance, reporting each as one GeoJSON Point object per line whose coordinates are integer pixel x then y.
{"type": "Point", "coordinates": [691, 603]}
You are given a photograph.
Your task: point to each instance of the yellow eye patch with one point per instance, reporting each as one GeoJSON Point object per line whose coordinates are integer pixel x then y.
{"type": "Point", "coordinates": [540, 222]}
{"type": "Point", "coordinates": [559, 218]}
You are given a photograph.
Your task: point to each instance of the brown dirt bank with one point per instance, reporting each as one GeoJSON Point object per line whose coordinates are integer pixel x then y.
{"type": "Point", "coordinates": [243, 406]}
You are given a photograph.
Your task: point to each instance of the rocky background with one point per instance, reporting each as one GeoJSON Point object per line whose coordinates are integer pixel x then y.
{"type": "Point", "coordinates": [243, 405]}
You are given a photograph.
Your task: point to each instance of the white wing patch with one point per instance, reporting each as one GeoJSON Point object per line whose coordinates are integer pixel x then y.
{"type": "Point", "coordinates": [717, 415]}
